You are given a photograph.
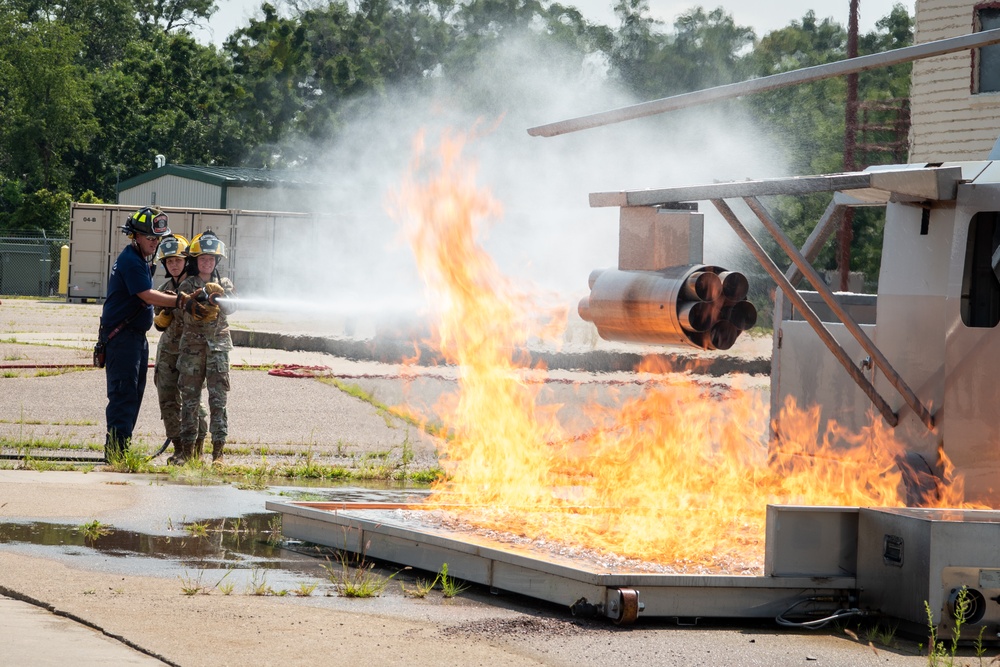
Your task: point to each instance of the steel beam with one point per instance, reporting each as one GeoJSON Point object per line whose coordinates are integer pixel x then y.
{"type": "Point", "coordinates": [827, 295]}
{"type": "Point", "coordinates": [794, 77]}
{"type": "Point", "coordinates": [810, 316]}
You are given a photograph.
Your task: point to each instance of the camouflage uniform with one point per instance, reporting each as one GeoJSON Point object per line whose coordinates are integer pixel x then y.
{"type": "Point", "coordinates": [204, 360]}
{"type": "Point", "coordinates": [165, 376]}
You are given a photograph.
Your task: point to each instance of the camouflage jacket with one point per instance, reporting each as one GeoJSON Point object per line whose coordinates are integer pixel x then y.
{"type": "Point", "coordinates": [213, 334]}
{"type": "Point", "coordinates": [170, 339]}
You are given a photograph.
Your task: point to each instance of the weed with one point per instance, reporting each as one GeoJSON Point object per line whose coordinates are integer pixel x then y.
{"type": "Point", "coordinates": [198, 529]}
{"type": "Point", "coordinates": [355, 580]}
{"type": "Point", "coordinates": [886, 636]}
{"type": "Point", "coordinates": [421, 589]}
{"type": "Point", "coordinates": [226, 587]}
{"type": "Point", "coordinates": [274, 530]}
{"type": "Point", "coordinates": [450, 587]}
{"type": "Point", "coordinates": [193, 585]}
{"type": "Point", "coordinates": [130, 460]}
{"type": "Point", "coordinates": [258, 583]}
{"type": "Point", "coordinates": [939, 654]}
{"type": "Point", "coordinates": [407, 457]}
{"type": "Point", "coordinates": [305, 588]}
{"type": "Point", "coordinates": [92, 530]}
{"type": "Point", "coordinates": [256, 478]}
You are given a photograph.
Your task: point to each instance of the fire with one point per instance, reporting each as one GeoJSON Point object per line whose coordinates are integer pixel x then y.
{"type": "Point", "coordinates": [680, 474]}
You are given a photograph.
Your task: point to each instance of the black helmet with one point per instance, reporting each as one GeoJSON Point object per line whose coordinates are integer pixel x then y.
{"type": "Point", "coordinates": [148, 221]}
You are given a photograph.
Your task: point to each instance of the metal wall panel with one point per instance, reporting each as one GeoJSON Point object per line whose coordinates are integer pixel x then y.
{"type": "Point", "coordinates": [173, 191]}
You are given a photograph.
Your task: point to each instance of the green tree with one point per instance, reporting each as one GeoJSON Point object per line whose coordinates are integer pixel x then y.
{"type": "Point", "coordinates": [706, 49]}
{"type": "Point", "coordinates": [168, 95]}
{"type": "Point", "coordinates": [809, 119]}
{"type": "Point", "coordinates": [45, 104]}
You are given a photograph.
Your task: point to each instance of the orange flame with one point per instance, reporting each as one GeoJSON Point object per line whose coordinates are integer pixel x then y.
{"type": "Point", "coordinates": [680, 475]}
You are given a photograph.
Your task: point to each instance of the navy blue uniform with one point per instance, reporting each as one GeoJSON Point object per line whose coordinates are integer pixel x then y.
{"type": "Point", "coordinates": [128, 351]}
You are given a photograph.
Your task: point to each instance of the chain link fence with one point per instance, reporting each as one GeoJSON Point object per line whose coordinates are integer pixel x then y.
{"type": "Point", "coordinates": [29, 265]}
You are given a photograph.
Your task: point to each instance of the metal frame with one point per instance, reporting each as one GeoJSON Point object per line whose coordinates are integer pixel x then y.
{"type": "Point", "coordinates": [919, 184]}
{"type": "Point", "coordinates": [794, 77]}
{"type": "Point", "coordinates": [619, 596]}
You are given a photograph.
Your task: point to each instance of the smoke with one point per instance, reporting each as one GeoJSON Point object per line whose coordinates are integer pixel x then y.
{"type": "Point", "coordinates": [549, 238]}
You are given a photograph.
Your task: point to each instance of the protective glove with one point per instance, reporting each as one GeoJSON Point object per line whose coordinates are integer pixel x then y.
{"type": "Point", "coordinates": [163, 319]}
{"type": "Point", "coordinates": [214, 291]}
{"type": "Point", "coordinates": [195, 308]}
{"type": "Point", "coordinates": [183, 299]}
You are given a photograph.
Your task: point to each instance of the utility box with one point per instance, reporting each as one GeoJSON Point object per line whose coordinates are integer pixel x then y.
{"type": "Point", "coordinates": [909, 557]}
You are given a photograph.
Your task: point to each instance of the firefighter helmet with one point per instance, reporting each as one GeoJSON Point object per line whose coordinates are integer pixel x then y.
{"type": "Point", "coordinates": [148, 221]}
{"type": "Point", "coordinates": [174, 245]}
{"type": "Point", "coordinates": [207, 243]}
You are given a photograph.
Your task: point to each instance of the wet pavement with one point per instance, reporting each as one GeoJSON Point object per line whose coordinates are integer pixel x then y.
{"type": "Point", "coordinates": [197, 575]}
{"type": "Point", "coordinates": [188, 571]}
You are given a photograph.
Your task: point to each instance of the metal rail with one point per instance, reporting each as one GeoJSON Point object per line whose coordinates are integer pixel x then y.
{"type": "Point", "coordinates": [793, 295]}
{"type": "Point", "coordinates": [804, 75]}
{"type": "Point", "coordinates": [821, 232]}
{"type": "Point", "coordinates": [827, 295]}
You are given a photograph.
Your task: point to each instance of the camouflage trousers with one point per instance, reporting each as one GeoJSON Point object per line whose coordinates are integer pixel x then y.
{"type": "Point", "coordinates": [198, 366]}
{"type": "Point", "coordinates": [165, 377]}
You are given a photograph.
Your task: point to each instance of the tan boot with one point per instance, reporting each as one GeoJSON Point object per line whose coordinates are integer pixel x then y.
{"type": "Point", "coordinates": [217, 451]}
{"type": "Point", "coordinates": [182, 452]}
{"type": "Point", "coordinates": [199, 448]}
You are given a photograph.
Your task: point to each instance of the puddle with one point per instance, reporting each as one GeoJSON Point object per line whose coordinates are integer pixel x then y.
{"type": "Point", "coordinates": [243, 551]}
{"type": "Point", "coordinates": [253, 539]}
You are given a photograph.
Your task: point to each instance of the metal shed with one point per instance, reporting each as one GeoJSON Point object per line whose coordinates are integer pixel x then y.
{"type": "Point", "coordinates": [240, 188]}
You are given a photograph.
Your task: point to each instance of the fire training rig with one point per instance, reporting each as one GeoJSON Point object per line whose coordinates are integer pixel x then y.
{"type": "Point", "coordinates": [921, 354]}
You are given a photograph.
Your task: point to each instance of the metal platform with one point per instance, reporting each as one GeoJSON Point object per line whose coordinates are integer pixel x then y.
{"type": "Point", "coordinates": [621, 595]}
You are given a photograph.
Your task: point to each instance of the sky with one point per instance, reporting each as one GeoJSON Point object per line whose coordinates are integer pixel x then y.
{"type": "Point", "coordinates": [763, 15]}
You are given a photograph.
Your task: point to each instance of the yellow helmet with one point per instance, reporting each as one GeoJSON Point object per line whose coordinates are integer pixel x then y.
{"type": "Point", "coordinates": [207, 243]}
{"type": "Point", "coordinates": [174, 245]}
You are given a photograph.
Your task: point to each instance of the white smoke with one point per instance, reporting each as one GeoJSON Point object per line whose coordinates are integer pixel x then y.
{"type": "Point", "coordinates": [549, 237]}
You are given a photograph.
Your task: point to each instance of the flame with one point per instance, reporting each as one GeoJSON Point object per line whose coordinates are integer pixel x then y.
{"type": "Point", "coordinates": [680, 474]}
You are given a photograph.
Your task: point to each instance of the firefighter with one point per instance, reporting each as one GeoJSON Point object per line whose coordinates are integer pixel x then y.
{"type": "Point", "coordinates": [126, 317]}
{"type": "Point", "coordinates": [172, 254]}
{"type": "Point", "coordinates": [205, 344]}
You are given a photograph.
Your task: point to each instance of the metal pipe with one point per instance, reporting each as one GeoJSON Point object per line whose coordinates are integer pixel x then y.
{"type": "Point", "coordinates": [702, 286]}
{"type": "Point", "coordinates": [824, 334]}
{"type": "Point", "coordinates": [820, 233]}
{"type": "Point", "coordinates": [803, 75]}
{"type": "Point", "coordinates": [827, 295]}
{"type": "Point", "coordinates": [734, 286]}
{"type": "Point", "coordinates": [742, 314]}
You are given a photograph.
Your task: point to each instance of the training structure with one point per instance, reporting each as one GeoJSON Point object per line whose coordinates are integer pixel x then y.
{"type": "Point", "coordinates": [925, 347]}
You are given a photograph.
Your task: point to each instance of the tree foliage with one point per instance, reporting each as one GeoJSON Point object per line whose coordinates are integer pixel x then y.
{"type": "Point", "coordinates": [92, 90]}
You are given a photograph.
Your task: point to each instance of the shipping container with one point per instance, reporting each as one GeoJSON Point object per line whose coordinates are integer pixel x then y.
{"type": "Point", "coordinates": [251, 237]}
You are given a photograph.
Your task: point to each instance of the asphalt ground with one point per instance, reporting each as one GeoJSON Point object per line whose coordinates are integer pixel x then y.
{"type": "Point", "coordinates": [64, 599]}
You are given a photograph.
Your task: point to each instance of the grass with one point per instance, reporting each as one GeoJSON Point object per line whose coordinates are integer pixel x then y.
{"type": "Point", "coordinates": [258, 583]}
{"type": "Point", "coordinates": [305, 588]}
{"type": "Point", "coordinates": [450, 587]}
{"type": "Point", "coordinates": [193, 585]}
{"type": "Point", "coordinates": [356, 578]}
{"type": "Point", "coordinates": [133, 459]}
